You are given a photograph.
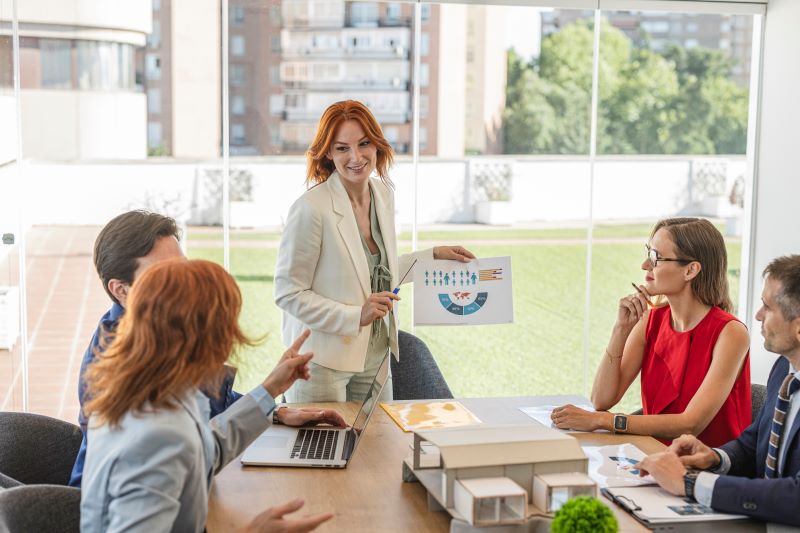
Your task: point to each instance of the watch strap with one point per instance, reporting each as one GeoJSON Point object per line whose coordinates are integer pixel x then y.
{"type": "Point", "coordinates": [689, 480]}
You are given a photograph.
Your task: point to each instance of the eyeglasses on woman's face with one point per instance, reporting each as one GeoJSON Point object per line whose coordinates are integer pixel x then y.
{"type": "Point", "coordinates": [653, 257]}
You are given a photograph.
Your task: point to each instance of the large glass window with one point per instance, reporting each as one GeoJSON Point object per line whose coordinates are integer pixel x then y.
{"type": "Point", "coordinates": [504, 103]}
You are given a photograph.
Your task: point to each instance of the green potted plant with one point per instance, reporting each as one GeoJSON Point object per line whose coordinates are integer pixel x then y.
{"type": "Point", "coordinates": [584, 514]}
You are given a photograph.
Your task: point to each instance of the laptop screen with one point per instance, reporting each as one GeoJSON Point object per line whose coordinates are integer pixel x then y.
{"type": "Point", "coordinates": [372, 396]}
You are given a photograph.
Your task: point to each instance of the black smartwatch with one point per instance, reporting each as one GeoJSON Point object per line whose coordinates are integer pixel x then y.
{"type": "Point", "coordinates": [689, 479]}
{"type": "Point", "coordinates": [620, 423]}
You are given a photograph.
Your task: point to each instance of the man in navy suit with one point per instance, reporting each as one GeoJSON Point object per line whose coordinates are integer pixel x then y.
{"type": "Point", "coordinates": [735, 478]}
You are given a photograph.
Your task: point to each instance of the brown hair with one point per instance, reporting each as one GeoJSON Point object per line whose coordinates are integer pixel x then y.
{"type": "Point", "coordinates": [180, 326]}
{"type": "Point", "coordinates": [786, 270]}
{"type": "Point", "coordinates": [124, 240]}
{"type": "Point", "coordinates": [697, 239]}
{"type": "Point", "coordinates": [320, 167]}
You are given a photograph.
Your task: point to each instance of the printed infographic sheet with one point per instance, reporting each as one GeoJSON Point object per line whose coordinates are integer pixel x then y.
{"type": "Point", "coordinates": [455, 293]}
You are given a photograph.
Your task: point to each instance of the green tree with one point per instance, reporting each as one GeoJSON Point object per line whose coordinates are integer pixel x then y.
{"type": "Point", "coordinates": [679, 101]}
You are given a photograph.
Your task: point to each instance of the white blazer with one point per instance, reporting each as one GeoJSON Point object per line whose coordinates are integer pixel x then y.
{"type": "Point", "coordinates": [322, 278]}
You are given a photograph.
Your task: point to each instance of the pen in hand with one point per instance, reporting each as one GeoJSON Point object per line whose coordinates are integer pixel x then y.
{"type": "Point", "coordinates": [640, 291]}
{"type": "Point", "coordinates": [397, 289]}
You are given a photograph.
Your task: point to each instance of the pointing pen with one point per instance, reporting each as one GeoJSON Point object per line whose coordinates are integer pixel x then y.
{"type": "Point", "coordinates": [397, 289]}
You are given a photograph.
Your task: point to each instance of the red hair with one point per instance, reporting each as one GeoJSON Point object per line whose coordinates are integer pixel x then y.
{"type": "Point", "coordinates": [319, 165]}
{"type": "Point", "coordinates": [179, 328]}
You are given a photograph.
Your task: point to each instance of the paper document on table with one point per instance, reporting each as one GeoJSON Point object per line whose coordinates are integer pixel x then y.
{"type": "Point", "coordinates": [456, 293]}
{"type": "Point", "coordinates": [614, 465]}
{"type": "Point", "coordinates": [429, 415]}
{"type": "Point", "coordinates": [541, 413]}
{"type": "Point", "coordinates": [654, 505]}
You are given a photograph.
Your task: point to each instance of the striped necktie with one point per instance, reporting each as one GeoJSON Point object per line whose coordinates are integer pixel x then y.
{"type": "Point", "coordinates": [789, 386]}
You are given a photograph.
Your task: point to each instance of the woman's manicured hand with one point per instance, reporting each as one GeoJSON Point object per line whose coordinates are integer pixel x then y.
{"type": "Point", "coordinates": [455, 253]}
{"type": "Point", "coordinates": [292, 366]}
{"type": "Point", "coordinates": [572, 417]}
{"type": "Point", "coordinates": [308, 416]}
{"type": "Point", "coordinates": [272, 520]}
{"type": "Point", "coordinates": [632, 308]}
{"type": "Point", "coordinates": [378, 305]}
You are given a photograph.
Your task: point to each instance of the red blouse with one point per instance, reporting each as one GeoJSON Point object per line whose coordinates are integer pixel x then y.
{"type": "Point", "coordinates": [675, 364]}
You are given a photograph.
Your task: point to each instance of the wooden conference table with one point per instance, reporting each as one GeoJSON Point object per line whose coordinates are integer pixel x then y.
{"type": "Point", "coordinates": [370, 495]}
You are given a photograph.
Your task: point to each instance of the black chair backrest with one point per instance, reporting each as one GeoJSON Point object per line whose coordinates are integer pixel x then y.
{"type": "Point", "coordinates": [40, 508]}
{"type": "Point", "coordinates": [758, 394]}
{"type": "Point", "coordinates": [417, 376]}
{"type": "Point", "coordinates": [37, 449]}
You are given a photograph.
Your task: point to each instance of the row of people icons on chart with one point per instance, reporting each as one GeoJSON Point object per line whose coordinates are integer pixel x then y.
{"type": "Point", "coordinates": [447, 279]}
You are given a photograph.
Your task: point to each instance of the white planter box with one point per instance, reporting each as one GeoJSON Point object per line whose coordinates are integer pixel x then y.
{"type": "Point", "coordinates": [494, 213]}
{"type": "Point", "coordinates": [9, 317]}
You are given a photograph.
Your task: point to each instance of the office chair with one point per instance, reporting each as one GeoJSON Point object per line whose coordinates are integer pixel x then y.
{"type": "Point", "coordinates": [417, 376]}
{"type": "Point", "coordinates": [37, 449]}
{"type": "Point", "coordinates": [40, 508]}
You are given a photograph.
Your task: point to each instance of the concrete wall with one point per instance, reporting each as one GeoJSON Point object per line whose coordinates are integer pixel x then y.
{"type": "Point", "coordinates": [543, 189]}
{"type": "Point", "coordinates": [132, 15]}
{"type": "Point", "coordinates": [8, 128]}
{"type": "Point", "coordinates": [66, 125]}
{"type": "Point", "coordinates": [777, 186]}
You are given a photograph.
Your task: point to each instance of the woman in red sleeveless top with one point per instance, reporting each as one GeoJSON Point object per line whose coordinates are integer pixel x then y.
{"type": "Point", "coordinates": [692, 353]}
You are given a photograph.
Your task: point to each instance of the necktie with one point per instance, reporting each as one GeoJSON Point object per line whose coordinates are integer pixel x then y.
{"type": "Point", "coordinates": [788, 387]}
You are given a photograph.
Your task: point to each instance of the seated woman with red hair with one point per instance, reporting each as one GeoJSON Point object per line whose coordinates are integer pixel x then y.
{"type": "Point", "coordinates": [152, 451]}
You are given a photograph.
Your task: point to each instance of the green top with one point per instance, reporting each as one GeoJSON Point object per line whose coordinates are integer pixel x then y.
{"type": "Point", "coordinates": [380, 280]}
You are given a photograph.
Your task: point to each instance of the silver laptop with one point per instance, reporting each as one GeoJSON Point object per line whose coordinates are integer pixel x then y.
{"type": "Point", "coordinates": [322, 447]}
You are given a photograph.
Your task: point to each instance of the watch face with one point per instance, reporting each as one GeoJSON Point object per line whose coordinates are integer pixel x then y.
{"type": "Point", "coordinates": [621, 422]}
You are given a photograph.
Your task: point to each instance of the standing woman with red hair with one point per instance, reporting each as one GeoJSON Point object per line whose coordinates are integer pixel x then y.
{"type": "Point", "coordinates": [152, 451]}
{"type": "Point", "coordinates": [338, 263]}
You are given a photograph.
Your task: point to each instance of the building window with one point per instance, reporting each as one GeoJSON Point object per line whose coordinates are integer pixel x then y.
{"type": "Point", "coordinates": [238, 75]}
{"type": "Point", "coordinates": [275, 43]}
{"type": "Point", "coordinates": [152, 67]}
{"type": "Point", "coordinates": [237, 134]}
{"type": "Point", "coordinates": [424, 75]}
{"type": "Point", "coordinates": [154, 134]}
{"type": "Point", "coordinates": [56, 63]}
{"type": "Point", "coordinates": [154, 101]}
{"type": "Point", "coordinates": [154, 38]}
{"type": "Point", "coordinates": [425, 12]}
{"type": "Point", "coordinates": [392, 134]}
{"type": "Point", "coordinates": [364, 14]}
{"type": "Point", "coordinates": [275, 15]}
{"type": "Point", "coordinates": [237, 45]}
{"type": "Point", "coordinates": [156, 5]}
{"type": "Point", "coordinates": [424, 105]}
{"type": "Point", "coordinates": [424, 44]}
{"type": "Point", "coordinates": [275, 75]}
{"type": "Point", "coordinates": [110, 66]}
{"type": "Point", "coordinates": [275, 136]}
{"type": "Point", "coordinates": [276, 105]}
{"type": "Point", "coordinates": [423, 137]}
{"type": "Point", "coordinates": [237, 105]}
{"type": "Point", "coordinates": [237, 16]}
{"type": "Point", "coordinates": [393, 12]}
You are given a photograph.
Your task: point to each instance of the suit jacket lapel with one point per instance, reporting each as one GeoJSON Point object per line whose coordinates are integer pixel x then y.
{"type": "Point", "coordinates": [348, 229]}
{"type": "Point", "coordinates": [385, 212]}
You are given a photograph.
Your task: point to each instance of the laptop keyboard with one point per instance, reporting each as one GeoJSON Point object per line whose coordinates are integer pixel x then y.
{"type": "Point", "coordinates": [315, 444]}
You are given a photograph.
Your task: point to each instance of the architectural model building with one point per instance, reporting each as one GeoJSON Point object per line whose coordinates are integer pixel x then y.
{"type": "Point", "coordinates": [481, 473]}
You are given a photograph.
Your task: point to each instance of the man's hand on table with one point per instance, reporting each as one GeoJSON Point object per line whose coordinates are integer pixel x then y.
{"type": "Point", "coordinates": [308, 416]}
{"type": "Point", "coordinates": [693, 453]}
{"type": "Point", "coordinates": [272, 520]}
{"type": "Point", "coordinates": [667, 469]}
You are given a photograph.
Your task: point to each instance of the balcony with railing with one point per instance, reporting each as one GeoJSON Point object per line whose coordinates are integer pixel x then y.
{"type": "Point", "coordinates": [346, 75]}
{"type": "Point", "coordinates": [355, 43]}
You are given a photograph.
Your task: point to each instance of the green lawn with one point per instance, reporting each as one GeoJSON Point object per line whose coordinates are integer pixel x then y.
{"type": "Point", "coordinates": [541, 353]}
{"type": "Point", "coordinates": [601, 231]}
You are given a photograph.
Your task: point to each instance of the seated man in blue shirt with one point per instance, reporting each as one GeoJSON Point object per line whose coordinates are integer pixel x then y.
{"type": "Point", "coordinates": [125, 248]}
{"type": "Point", "coordinates": [757, 474]}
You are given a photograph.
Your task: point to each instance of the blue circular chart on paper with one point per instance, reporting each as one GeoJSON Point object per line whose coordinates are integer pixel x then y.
{"type": "Point", "coordinates": [461, 309]}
